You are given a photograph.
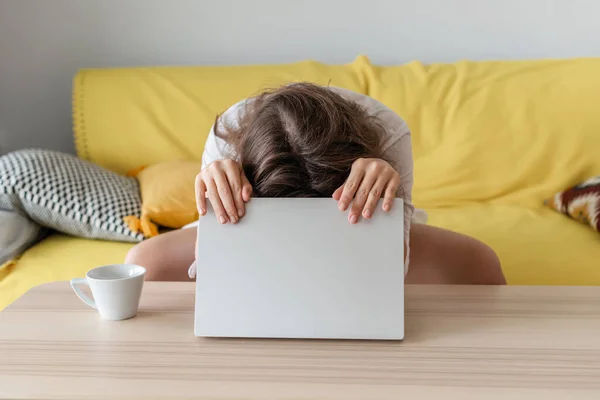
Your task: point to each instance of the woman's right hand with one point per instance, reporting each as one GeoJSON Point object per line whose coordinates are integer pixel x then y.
{"type": "Point", "coordinates": [224, 183]}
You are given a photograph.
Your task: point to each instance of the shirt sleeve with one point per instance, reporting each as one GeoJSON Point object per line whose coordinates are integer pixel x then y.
{"type": "Point", "coordinates": [399, 154]}
{"type": "Point", "coordinates": [216, 148]}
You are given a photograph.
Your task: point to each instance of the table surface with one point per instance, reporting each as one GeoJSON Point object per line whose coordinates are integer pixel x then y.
{"type": "Point", "coordinates": [462, 342]}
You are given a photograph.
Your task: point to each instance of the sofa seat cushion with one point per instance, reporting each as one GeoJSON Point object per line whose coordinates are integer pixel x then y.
{"type": "Point", "coordinates": [56, 258]}
{"type": "Point", "coordinates": [535, 246]}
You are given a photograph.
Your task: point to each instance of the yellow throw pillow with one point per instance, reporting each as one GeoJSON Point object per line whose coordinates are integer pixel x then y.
{"type": "Point", "coordinates": [168, 195]}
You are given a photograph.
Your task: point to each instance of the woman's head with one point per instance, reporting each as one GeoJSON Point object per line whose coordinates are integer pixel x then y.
{"type": "Point", "coordinates": [300, 140]}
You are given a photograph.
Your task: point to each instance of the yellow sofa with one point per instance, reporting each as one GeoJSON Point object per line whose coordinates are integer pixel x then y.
{"type": "Point", "coordinates": [491, 141]}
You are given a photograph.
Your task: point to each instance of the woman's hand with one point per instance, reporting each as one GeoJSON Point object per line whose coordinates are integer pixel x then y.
{"type": "Point", "coordinates": [223, 182]}
{"type": "Point", "coordinates": [369, 180]}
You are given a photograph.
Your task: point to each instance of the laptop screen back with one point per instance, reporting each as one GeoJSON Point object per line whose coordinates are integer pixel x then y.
{"type": "Point", "coordinates": [296, 268]}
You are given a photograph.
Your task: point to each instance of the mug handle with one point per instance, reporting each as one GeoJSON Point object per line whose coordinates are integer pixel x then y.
{"type": "Point", "coordinates": [82, 296]}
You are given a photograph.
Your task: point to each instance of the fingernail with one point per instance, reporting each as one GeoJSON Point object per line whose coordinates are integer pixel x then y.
{"type": "Point", "coordinates": [386, 207]}
{"type": "Point", "coordinates": [367, 213]}
{"type": "Point", "coordinates": [222, 219]}
{"type": "Point", "coordinates": [203, 211]}
{"type": "Point", "coordinates": [233, 218]}
{"type": "Point", "coordinates": [342, 206]}
{"type": "Point", "coordinates": [353, 219]}
{"type": "Point", "coordinates": [240, 212]}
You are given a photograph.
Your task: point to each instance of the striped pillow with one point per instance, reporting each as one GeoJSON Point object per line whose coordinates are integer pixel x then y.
{"type": "Point", "coordinates": [72, 196]}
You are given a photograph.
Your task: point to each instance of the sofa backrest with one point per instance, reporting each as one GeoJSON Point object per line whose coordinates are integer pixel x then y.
{"type": "Point", "coordinates": [510, 132]}
{"type": "Point", "coordinates": [507, 132]}
{"type": "Point", "coordinates": [129, 117]}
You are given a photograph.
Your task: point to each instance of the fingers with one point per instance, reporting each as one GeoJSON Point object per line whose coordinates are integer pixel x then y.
{"type": "Point", "coordinates": [361, 197]}
{"type": "Point", "coordinates": [369, 179]}
{"type": "Point", "coordinates": [234, 180]}
{"type": "Point", "coordinates": [390, 193]}
{"type": "Point", "coordinates": [227, 188]}
{"type": "Point", "coordinates": [200, 195]}
{"type": "Point", "coordinates": [351, 185]}
{"type": "Point", "coordinates": [226, 197]}
{"type": "Point", "coordinates": [215, 201]}
{"type": "Point", "coordinates": [246, 188]}
{"type": "Point", "coordinates": [338, 193]}
{"type": "Point", "coordinates": [373, 197]}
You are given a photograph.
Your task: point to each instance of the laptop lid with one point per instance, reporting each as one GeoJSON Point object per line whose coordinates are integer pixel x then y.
{"type": "Point", "coordinates": [296, 268]}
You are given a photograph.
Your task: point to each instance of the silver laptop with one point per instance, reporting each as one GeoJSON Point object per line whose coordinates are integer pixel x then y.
{"type": "Point", "coordinates": [296, 268]}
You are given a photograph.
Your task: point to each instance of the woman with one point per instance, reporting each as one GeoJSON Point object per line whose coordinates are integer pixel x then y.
{"type": "Point", "coordinates": [304, 140]}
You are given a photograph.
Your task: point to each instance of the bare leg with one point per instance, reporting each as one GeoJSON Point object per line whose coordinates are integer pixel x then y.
{"type": "Point", "coordinates": [439, 256]}
{"type": "Point", "coordinates": [167, 257]}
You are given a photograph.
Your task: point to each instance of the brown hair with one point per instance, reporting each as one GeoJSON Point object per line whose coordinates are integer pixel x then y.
{"type": "Point", "coordinates": [301, 140]}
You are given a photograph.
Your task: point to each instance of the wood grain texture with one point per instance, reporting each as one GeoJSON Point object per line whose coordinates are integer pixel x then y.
{"type": "Point", "coordinates": [461, 343]}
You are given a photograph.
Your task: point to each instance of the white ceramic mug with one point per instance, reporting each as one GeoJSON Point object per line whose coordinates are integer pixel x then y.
{"type": "Point", "coordinates": [116, 290]}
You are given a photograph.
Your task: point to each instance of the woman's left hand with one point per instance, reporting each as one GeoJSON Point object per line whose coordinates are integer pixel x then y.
{"type": "Point", "coordinates": [369, 179]}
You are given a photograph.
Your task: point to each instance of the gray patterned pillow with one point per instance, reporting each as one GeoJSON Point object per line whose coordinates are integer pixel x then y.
{"type": "Point", "coordinates": [18, 233]}
{"type": "Point", "coordinates": [72, 196]}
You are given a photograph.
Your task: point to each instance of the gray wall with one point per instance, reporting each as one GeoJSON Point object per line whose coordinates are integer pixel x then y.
{"type": "Point", "coordinates": [44, 42]}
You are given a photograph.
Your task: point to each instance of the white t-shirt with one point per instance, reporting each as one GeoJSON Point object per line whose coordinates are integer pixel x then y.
{"type": "Point", "coordinates": [396, 147]}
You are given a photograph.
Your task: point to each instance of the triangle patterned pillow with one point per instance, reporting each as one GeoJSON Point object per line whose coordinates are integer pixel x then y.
{"type": "Point", "coordinates": [580, 202]}
{"type": "Point", "coordinates": [65, 193]}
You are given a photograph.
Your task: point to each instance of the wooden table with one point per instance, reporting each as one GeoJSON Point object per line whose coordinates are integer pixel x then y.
{"type": "Point", "coordinates": [461, 343]}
